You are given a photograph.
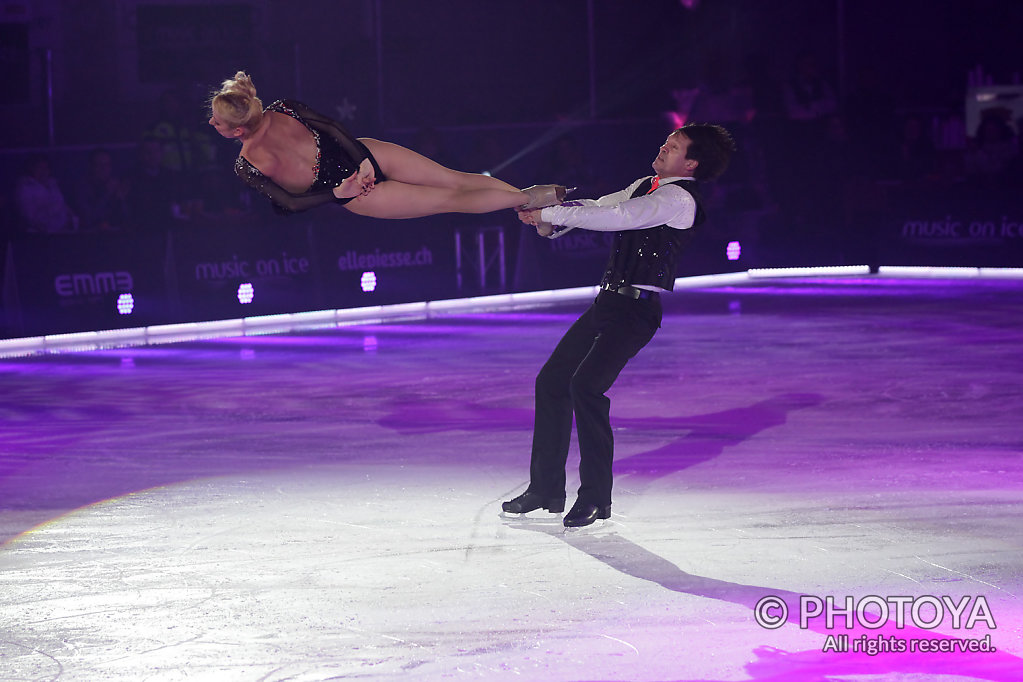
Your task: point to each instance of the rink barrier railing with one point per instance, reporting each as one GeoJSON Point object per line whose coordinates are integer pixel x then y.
{"type": "Point", "coordinates": [324, 319]}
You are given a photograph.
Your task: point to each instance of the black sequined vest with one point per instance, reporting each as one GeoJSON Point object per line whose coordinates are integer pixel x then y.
{"type": "Point", "coordinates": [650, 256]}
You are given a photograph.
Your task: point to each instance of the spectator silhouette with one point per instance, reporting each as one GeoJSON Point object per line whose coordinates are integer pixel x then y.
{"type": "Point", "coordinates": [916, 152]}
{"type": "Point", "coordinates": [993, 151]}
{"type": "Point", "coordinates": [810, 104]}
{"type": "Point", "coordinates": [186, 145]}
{"type": "Point", "coordinates": [102, 196]}
{"type": "Point", "coordinates": [765, 148]}
{"type": "Point", "coordinates": [154, 197]}
{"type": "Point", "coordinates": [871, 121]}
{"type": "Point", "coordinates": [188, 150]}
{"type": "Point", "coordinates": [40, 202]}
{"type": "Point", "coordinates": [808, 96]}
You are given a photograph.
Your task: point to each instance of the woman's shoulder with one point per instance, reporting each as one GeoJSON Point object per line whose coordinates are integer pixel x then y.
{"type": "Point", "coordinates": [291, 107]}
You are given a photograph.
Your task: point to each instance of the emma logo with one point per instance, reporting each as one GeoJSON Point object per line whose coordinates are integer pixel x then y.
{"type": "Point", "coordinates": [90, 283]}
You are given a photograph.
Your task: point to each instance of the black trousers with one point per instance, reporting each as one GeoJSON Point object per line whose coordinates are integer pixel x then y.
{"type": "Point", "coordinates": [583, 366]}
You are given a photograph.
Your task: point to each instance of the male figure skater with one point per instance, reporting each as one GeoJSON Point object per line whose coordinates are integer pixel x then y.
{"type": "Point", "coordinates": [652, 220]}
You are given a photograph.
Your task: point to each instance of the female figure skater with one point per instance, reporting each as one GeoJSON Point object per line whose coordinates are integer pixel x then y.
{"type": "Point", "coordinates": [301, 159]}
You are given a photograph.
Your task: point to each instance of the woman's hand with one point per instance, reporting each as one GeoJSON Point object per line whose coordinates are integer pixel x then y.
{"type": "Point", "coordinates": [358, 184]}
{"type": "Point", "coordinates": [529, 216]}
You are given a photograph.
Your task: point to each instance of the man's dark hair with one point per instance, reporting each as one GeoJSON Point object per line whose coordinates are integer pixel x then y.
{"type": "Point", "coordinates": [711, 146]}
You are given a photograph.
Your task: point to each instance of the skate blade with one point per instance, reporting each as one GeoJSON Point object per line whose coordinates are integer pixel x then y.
{"type": "Point", "coordinates": [543, 517]}
{"type": "Point", "coordinates": [592, 529]}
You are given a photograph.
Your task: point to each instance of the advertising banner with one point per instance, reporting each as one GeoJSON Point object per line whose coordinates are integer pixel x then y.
{"type": "Point", "coordinates": [236, 271]}
{"type": "Point", "coordinates": [969, 229]}
{"type": "Point", "coordinates": [365, 261]}
{"type": "Point", "coordinates": [78, 282]}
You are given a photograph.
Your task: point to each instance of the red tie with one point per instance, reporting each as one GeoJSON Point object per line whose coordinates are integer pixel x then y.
{"type": "Point", "coordinates": [654, 184]}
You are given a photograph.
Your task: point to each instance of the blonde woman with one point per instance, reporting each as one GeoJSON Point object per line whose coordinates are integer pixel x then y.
{"type": "Point", "coordinates": [301, 159]}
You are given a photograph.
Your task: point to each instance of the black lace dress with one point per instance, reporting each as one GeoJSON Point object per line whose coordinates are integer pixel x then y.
{"type": "Point", "coordinates": [338, 155]}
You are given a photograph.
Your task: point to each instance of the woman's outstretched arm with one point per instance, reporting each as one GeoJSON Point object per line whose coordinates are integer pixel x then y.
{"type": "Point", "coordinates": [284, 202]}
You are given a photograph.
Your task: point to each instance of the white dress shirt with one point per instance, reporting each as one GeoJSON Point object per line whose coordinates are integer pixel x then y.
{"type": "Point", "coordinates": [667, 205]}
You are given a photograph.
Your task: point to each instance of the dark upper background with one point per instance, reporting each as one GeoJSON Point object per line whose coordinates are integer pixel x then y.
{"type": "Point", "coordinates": [579, 92]}
{"type": "Point", "coordinates": [412, 63]}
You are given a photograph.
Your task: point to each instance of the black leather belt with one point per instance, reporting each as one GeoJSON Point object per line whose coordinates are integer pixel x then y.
{"type": "Point", "coordinates": [631, 292]}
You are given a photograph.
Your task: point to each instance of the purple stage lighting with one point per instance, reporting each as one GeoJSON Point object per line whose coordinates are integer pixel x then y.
{"type": "Point", "coordinates": [245, 293]}
{"type": "Point", "coordinates": [733, 250]}
{"type": "Point", "coordinates": [125, 304]}
{"type": "Point", "coordinates": [368, 281]}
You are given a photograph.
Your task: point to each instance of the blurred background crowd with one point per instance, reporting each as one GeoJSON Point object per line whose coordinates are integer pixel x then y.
{"type": "Point", "coordinates": [839, 107]}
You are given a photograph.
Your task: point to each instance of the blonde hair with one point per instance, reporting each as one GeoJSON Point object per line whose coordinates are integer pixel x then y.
{"type": "Point", "coordinates": [236, 103]}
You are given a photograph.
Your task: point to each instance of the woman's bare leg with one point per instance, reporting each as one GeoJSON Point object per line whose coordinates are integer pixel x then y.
{"type": "Point", "coordinates": [403, 164]}
{"type": "Point", "coordinates": [396, 199]}
{"type": "Point", "coordinates": [417, 186]}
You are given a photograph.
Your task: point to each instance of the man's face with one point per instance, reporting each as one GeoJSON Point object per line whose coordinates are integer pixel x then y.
{"type": "Point", "coordinates": [671, 160]}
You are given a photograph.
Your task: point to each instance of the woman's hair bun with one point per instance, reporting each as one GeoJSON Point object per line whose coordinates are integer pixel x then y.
{"type": "Point", "coordinates": [236, 102]}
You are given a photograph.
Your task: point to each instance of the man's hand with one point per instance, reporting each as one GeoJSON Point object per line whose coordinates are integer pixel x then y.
{"type": "Point", "coordinates": [532, 217]}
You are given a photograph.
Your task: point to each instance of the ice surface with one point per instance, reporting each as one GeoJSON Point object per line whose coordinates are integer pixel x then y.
{"type": "Point", "coordinates": [327, 505]}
